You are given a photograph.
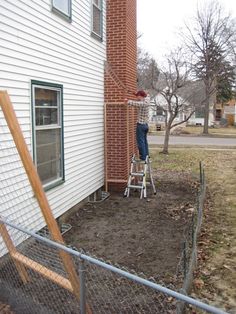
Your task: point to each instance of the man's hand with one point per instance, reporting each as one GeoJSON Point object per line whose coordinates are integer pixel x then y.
{"type": "Point", "coordinates": [140, 98]}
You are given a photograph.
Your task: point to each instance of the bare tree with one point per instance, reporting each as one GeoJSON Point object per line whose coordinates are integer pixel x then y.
{"type": "Point", "coordinates": [148, 72]}
{"type": "Point", "coordinates": [171, 90]}
{"type": "Point", "coordinates": [175, 94]}
{"type": "Point", "coordinates": [209, 38]}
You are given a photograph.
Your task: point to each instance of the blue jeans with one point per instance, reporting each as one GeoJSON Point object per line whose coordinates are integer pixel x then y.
{"type": "Point", "coordinates": [141, 136]}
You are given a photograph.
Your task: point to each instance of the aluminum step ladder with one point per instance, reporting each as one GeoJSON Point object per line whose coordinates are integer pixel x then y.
{"type": "Point", "coordinates": [140, 175]}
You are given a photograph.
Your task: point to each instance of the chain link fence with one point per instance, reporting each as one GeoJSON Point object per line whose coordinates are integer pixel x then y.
{"type": "Point", "coordinates": [104, 288]}
{"type": "Point", "coordinates": [188, 260]}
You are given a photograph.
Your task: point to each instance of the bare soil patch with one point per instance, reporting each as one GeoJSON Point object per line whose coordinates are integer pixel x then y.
{"type": "Point", "coordinates": [147, 235]}
{"type": "Point", "coordinates": [142, 235]}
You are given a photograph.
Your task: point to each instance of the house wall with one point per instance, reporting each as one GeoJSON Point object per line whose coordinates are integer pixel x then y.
{"type": "Point", "coordinates": [120, 83]}
{"type": "Point", "coordinates": [37, 44]}
{"type": "Point", "coordinates": [200, 121]}
{"type": "Point", "coordinates": [229, 112]}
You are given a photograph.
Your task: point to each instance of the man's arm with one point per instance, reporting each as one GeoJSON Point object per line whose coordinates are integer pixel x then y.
{"type": "Point", "coordinates": [139, 103]}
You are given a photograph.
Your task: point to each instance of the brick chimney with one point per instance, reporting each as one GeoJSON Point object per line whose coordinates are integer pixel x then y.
{"type": "Point", "coordinates": [120, 83]}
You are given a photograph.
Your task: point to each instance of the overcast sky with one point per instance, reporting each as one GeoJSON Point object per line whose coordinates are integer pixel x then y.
{"type": "Point", "coordinates": [158, 22]}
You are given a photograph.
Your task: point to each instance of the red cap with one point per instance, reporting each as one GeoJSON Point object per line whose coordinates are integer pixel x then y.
{"type": "Point", "coordinates": [141, 93]}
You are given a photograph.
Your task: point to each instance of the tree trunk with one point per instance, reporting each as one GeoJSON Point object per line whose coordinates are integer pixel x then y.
{"type": "Point", "coordinates": [166, 141]}
{"type": "Point", "coordinates": [206, 110]}
{"type": "Point", "coordinates": [206, 118]}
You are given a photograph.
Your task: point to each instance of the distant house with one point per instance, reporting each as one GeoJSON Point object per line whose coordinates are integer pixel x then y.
{"type": "Point", "coordinates": [220, 114]}
{"type": "Point", "coordinates": [157, 111]}
{"type": "Point", "coordinates": [63, 69]}
{"type": "Point", "coordinates": [198, 118]}
{"type": "Point", "coordinates": [226, 113]}
{"type": "Point", "coordinates": [229, 112]}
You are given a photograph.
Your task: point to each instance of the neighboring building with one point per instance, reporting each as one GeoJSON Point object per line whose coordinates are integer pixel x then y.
{"type": "Point", "coordinates": [230, 113]}
{"type": "Point", "coordinates": [221, 114]}
{"type": "Point", "coordinates": [52, 57]}
{"type": "Point", "coordinates": [226, 113]}
{"type": "Point", "coordinates": [157, 112]}
{"type": "Point", "coordinates": [198, 118]}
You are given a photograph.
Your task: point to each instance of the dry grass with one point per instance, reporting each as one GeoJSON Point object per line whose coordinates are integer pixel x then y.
{"type": "Point", "coordinates": [217, 270]}
{"type": "Point", "coordinates": [213, 131]}
{"type": "Point", "coordinates": [229, 131]}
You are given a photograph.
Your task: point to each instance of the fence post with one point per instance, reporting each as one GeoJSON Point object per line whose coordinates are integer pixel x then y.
{"type": "Point", "coordinates": [200, 168]}
{"type": "Point", "coordinates": [185, 260]}
{"type": "Point", "coordinates": [82, 287]}
{"type": "Point", "coordinates": [193, 226]}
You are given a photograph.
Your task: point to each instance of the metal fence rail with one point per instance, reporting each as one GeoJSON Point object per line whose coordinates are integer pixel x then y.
{"type": "Point", "coordinates": [103, 287]}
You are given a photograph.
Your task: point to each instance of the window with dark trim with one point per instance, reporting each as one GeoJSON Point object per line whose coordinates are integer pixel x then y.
{"type": "Point", "coordinates": [62, 7]}
{"type": "Point", "coordinates": [199, 113]}
{"type": "Point", "coordinates": [47, 122]}
{"type": "Point", "coordinates": [97, 18]}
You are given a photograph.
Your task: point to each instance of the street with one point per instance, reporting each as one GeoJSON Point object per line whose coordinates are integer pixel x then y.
{"type": "Point", "coordinates": [193, 140]}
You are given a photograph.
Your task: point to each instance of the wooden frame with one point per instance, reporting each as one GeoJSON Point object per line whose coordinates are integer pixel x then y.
{"type": "Point", "coordinates": [72, 284]}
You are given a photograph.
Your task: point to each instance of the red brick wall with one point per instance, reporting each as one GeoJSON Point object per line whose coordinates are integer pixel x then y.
{"type": "Point", "coordinates": [120, 82]}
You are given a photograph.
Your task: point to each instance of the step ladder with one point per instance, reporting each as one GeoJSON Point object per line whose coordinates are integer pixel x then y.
{"type": "Point", "coordinates": [140, 175]}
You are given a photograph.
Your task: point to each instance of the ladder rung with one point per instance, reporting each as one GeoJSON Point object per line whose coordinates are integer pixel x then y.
{"type": "Point", "coordinates": [135, 186]}
{"type": "Point", "coordinates": [139, 162]}
{"type": "Point", "coordinates": [138, 174]}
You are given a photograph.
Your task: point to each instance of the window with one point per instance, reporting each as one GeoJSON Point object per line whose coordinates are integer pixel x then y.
{"type": "Point", "coordinates": [63, 7]}
{"type": "Point", "coordinates": [159, 111]}
{"type": "Point", "coordinates": [199, 113]}
{"type": "Point", "coordinates": [48, 132]}
{"type": "Point", "coordinates": [218, 115]}
{"type": "Point", "coordinates": [97, 18]}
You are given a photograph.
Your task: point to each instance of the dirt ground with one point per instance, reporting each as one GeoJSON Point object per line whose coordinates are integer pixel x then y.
{"type": "Point", "coordinates": [147, 235]}
{"type": "Point", "coordinates": [142, 235]}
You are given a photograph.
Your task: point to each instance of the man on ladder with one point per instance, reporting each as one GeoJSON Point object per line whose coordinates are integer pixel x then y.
{"type": "Point", "coordinates": [143, 103]}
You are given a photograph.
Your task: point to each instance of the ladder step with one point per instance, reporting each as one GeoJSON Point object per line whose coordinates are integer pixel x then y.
{"type": "Point", "coordinates": [137, 174]}
{"type": "Point", "coordinates": [135, 186]}
{"type": "Point", "coordinates": [139, 161]}
{"type": "Point", "coordinates": [141, 171]}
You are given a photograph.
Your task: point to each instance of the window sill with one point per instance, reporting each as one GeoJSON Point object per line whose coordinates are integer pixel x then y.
{"type": "Point", "coordinates": [97, 37]}
{"type": "Point", "coordinates": [53, 184]}
{"type": "Point", "coordinates": [64, 16]}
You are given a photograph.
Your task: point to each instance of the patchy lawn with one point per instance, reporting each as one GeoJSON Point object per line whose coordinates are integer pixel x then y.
{"type": "Point", "coordinates": [216, 275]}
{"type": "Point", "coordinates": [229, 131]}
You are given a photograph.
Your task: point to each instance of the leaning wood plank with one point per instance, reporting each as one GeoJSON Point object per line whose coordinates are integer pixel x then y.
{"type": "Point", "coordinates": [37, 187]}
{"type": "Point", "coordinates": [27, 161]}
{"type": "Point", "coordinates": [34, 179]}
{"type": "Point", "coordinates": [44, 271]}
{"type": "Point", "coordinates": [12, 250]}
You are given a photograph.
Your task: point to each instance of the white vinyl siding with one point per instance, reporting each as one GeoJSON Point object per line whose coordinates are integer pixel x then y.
{"type": "Point", "coordinates": [36, 44]}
